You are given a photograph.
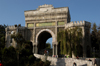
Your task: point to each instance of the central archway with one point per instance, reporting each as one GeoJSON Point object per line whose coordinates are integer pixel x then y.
{"type": "Point", "coordinates": [46, 30]}
{"type": "Point", "coordinates": [41, 38]}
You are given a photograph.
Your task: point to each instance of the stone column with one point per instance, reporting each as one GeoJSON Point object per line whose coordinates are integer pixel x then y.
{"type": "Point", "coordinates": [56, 31]}
{"type": "Point", "coordinates": [36, 49]}
{"type": "Point", "coordinates": [56, 50]}
{"type": "Point", "coordinates": [34, 32]}
{"type": "Point", "coordinates": [73, 56]}
{"type": "Point", "coordinates": [53, 49]}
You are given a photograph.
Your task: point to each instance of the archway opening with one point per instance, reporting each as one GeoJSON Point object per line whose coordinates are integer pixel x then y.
{"type": "Point", "coordinates": [43, 44]}
{"type": "Point", "coordinates": [49, 41]}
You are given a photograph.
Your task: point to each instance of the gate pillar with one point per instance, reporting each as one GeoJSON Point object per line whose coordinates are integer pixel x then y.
{"type": "Point", "coordinates": [35, 48]}
{"type": "Point", "coordinates": [55, 48]}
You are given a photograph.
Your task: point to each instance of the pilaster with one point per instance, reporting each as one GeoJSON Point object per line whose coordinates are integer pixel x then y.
{"type": "Point", "coordinates": [35, 48]}
{"type": "Point", "coordinates": [55, 48]}
{"type": "Point", "coordinates": [56, 31]}
{"type": "Point", "coordinates": [34, 37]}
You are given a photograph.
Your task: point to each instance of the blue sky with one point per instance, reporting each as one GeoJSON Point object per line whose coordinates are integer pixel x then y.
{"type": "Point", "coordinates": [12, 11]}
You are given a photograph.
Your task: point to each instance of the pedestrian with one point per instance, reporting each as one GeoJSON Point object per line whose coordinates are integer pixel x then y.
{"type": "Point", "coordinates": [53, 55]}
{"type": "Point", "coordinates": [56, 56]}
{"type": "Point", "coordinates": [77, 57]}
{"type": "Point", "coordinates": [95, 62]}
{"type": "Point", "coordinates": [47, 52]}
{"type": "Point", "coordinates": [65, 55]}
{"type": "Point", "coordinates": [74, 64]}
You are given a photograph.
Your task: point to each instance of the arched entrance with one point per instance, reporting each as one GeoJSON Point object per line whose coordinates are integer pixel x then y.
{"type": "Point", "coordinates": [41, 39]}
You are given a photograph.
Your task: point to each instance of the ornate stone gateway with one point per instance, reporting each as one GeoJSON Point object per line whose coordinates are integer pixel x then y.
{"type": "Point", "coordinates": [46, 21]}
{"type": "Point", "coordinates": [43, 23]}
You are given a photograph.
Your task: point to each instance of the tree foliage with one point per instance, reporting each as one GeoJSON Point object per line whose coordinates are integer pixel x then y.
{"type": "Point", "coordinates": [2, 39]}
{"type": "Point", "coordinates": [48, 45]}
{"type": "Point", "coordinates": [95, 38]}
{"type": "Point", "coordinates": [9, 56]}
{"type": "Point", "coordinates": [49, 49]}
{"type": "Point", "coordinates": [2, 36]}
{"type": "Point", "coordinates": [70, 40]}
{"type": "Point", "coordinates": [24, 51]}
{"type": "Point", "coordinates": [21, 55]}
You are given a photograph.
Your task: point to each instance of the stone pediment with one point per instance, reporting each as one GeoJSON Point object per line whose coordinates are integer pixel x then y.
{"type": "Point", "coordinates": [45, 7]}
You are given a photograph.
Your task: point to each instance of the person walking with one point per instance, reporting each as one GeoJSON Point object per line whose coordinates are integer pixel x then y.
{"type": "Point", "coordinates": [47, 52]}
{"type": "Point", "coordinates": [95, 62]}
{"type": "Point", "coordinates": [77, 57]}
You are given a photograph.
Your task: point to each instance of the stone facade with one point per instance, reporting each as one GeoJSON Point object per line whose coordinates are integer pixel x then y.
{"type": "Point", "coordinates": [43, 23]}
